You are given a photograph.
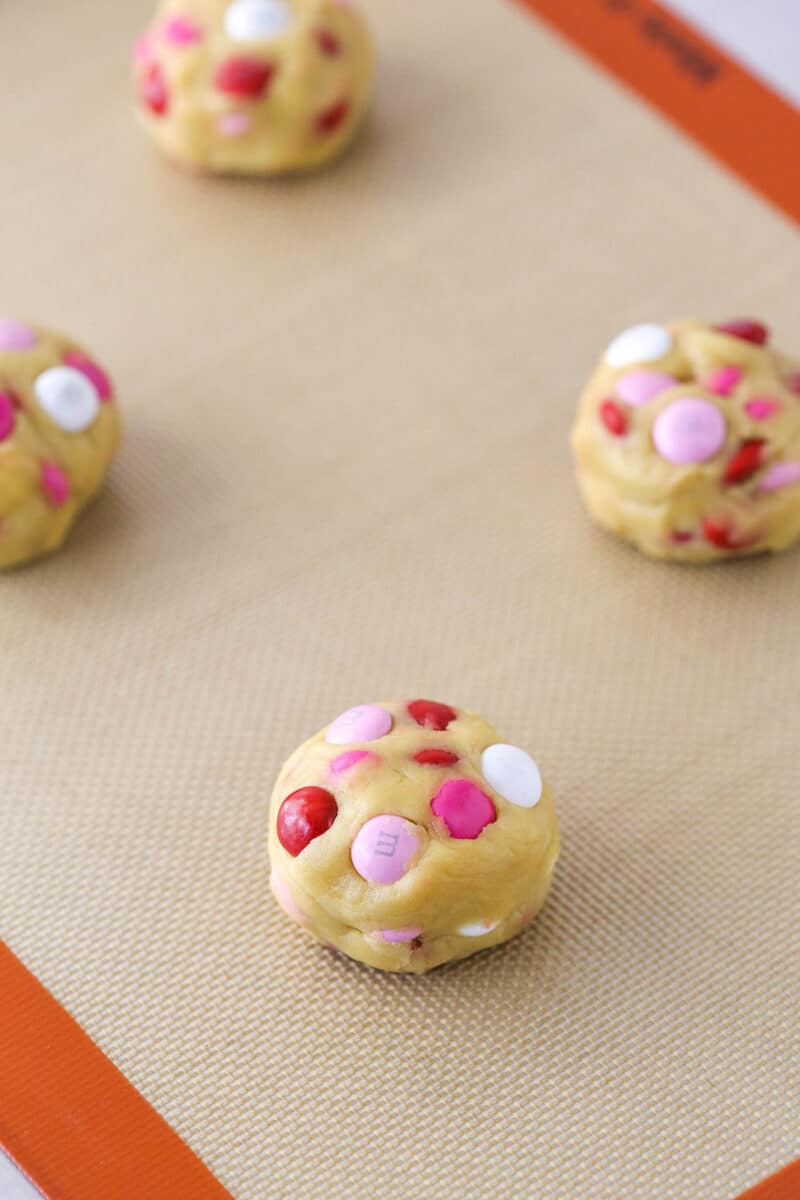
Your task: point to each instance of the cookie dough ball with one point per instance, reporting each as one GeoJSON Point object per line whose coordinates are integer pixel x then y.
{"type": "Point", "coordinates": [253, 87]}
{"type": "Point", "coordinates": [687, 441]}
{"type": "Point", "coordinates": [59, 428]}
{"type": "Point", "coordinates": [409, 834]}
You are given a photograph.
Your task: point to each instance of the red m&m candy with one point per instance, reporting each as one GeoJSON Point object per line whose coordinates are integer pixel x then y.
{"type": "Point", "coordinates": [747, 330]}
{"type": "Point", "coordinates": [328, 42]}
{"type": "Point", "coordinates": [330, 119]}
{"type": "Point", "coordinates": [722, 535]}
{"type": "Point", "coordinates": [303, 816]}
{"type": "Point", "coordinates": [436, 758]}
{"type": "Point", "coordinates": [153, 91]}
{"type": "Point", "coordinates": [745, 461]}
{"type": "Point", "coordinates": [245, 78]}
{"type": "Point", "coordinates": [614, 418]}
{"type": "Point", "coordinates": [432, 715]}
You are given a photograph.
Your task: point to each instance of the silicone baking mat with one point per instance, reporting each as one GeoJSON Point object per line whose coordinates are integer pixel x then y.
{"type": "Point", "coordinates": [727, 75]}
{"type": "Point", "coordinates": [346, 475]}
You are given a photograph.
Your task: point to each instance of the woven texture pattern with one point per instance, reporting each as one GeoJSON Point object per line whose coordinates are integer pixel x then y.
{"type": "Point", "coordinates": [347, 475]}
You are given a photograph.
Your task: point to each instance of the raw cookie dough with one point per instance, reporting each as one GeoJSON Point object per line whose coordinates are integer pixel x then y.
{"type": "Point", "coordinates": [409, 834]}
{"type": "Point", "coordinates": [253, 87]}
{"type": "Point", "coordinates": [59, 428]}
{"type": "Point", "coordinates": [687, 441]}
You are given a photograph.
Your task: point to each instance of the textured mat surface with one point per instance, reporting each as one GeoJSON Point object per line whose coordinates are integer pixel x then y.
{"type": "Point", "coordinates": [346, 476]}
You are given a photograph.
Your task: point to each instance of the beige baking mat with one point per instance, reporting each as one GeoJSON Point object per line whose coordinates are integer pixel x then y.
{"type": "Point", "coordinates": [347, 476]}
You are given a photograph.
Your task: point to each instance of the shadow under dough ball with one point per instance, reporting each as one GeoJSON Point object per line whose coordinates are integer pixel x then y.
{"type": "Point", "coordinates": [687, 441]}
{"type": "Point", "coordinates": [253, 87]}
{"type": "Point", "coordinates": [59, 430]}
{"type": "Point", "coordinates": [407, 835]}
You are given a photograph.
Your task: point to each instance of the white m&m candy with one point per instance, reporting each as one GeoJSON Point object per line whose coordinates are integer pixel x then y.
{"type": "Point", "coordinates": [513, 773]}
{"type": "Point", "coordinates": [640, 343]}
{"type": "Point", "coordinates": [68, 397]}
{"type": "Point", "coordinates": [256, 20]}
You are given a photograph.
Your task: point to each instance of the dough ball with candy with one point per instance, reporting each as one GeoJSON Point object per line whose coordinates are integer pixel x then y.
{"type": "Point", "coordinates": [687, 441]}
{"type": "Point", "coordinates": [253, 87]}
{"type": "Point", "coordinates": [408, 833]}
{"type": "Point", "coordinates": [59, 429]}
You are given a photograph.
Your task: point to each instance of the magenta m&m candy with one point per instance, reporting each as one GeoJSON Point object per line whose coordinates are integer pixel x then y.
{"type": "Point", "coordinates": [464, 808]}
{"type": "Point", "coordinates": [722, 380]}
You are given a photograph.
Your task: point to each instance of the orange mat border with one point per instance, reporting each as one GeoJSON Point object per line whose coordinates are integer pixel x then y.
{"type": "Point", "coordinates": [714, 99]}
{"type": "Point", "coordinates": [785, 1185]}
{"type": "Point", "coordinates": [70, 1120]}
{"type": "Point", "coordinates": [74, 1125]}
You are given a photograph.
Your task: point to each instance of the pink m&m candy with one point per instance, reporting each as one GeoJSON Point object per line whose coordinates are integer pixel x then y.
{"type": "Point", "coordinates": [234, 124]}
{"type": "Point", "coordinates": [385, 848]}
{"type": "Point", "coordinates": [398, 936]}
{"type": "Point", "coordinates": [689, 431]}
{"type": "Point", "coordinates": [364, 723]}
{"type": "Point", "coordinates": [349, 759]}
{"type": "Point", "coordinates": [285, 898]}
{"type": "Point", "coordinates": [464, 808]}
{"type": "Point", "coordinates": [781, 475]}
{"type": "Point", "coordinates": [16, 335]}
{"type": "Point", "coordinates": [143, 49]}
{"type": "Point", "coordinates": [640, 387]}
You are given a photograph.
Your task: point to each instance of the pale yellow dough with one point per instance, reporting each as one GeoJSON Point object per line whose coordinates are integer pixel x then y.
{"type": "Point", "coordinates": [461, 894]}
{"type": "Point", "coordinates": [66, 428]}
{"type": "Point", "coordinates": [694, 512]}
{"type": "Point", "coordinates": [205, 111]}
